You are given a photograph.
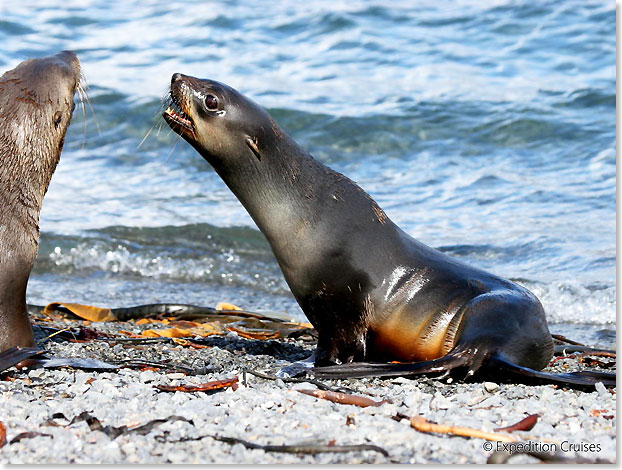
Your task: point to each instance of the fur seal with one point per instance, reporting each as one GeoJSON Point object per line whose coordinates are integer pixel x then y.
{"type": "Point", "coordinates": [36, 104]}
{"type": "Point", "coordinates": [372, 292]}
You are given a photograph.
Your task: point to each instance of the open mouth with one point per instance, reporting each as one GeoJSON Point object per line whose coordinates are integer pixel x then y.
{"type": "Point", "coordinates": [176, 118]}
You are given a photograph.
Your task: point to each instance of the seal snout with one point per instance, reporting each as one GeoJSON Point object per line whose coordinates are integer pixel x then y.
{"type": "Point", "coordinates": [68, 57]}
{"type": "Point", "coordinates": [176, 77]}
{"type": "Point", "coordinates": [176, 112]}
{"type": "Point", "coordinates": [68, 61]}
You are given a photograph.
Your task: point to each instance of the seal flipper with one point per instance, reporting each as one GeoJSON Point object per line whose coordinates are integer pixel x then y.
{"type": "Point", "coordinates": [297, 368]}
{"type": "Point", "coordinates": [16, 355]}
{"type": "Point", "coordinates": [582, 380]}
{"type": "Point", "coordinates": [491, 366]}
{"type": "Point", "coordinates": [469, 358]}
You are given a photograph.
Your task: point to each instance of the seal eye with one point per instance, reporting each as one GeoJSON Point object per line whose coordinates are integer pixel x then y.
{"type": "Point", "coordinates": [58, 116]}
{"type": "Point", "coordinates": [211, 103]}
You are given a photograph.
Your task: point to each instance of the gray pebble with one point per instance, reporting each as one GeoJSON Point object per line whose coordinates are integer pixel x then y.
{"type": "Point", "coordinates": [600, 388]}
{"type": "Point", "coordinates": [36, 373]}
{"type": "Point", "coordinates": [176, 375]}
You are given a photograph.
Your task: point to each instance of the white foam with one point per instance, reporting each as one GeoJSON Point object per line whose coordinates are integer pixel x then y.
{"type": "Point", "coordinates": [569, 302]}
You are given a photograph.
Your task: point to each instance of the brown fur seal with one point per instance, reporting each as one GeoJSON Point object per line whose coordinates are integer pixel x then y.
{"type": "Point", "coordinates": [371, 291]}
{"type": "Point", "coordinates": [36, 104]}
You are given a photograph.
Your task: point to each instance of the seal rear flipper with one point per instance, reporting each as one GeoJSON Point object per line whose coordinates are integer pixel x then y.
{"type": "Point", "coordinates": [471, 359]}
{"type": "Point", "coordinates": [487, 366]}
{"type": "Point", "coordinates": [582, 380]}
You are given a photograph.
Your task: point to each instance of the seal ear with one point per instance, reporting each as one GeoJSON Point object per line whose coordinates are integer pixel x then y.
{"type": "Point", "coordinates": [252, 144]}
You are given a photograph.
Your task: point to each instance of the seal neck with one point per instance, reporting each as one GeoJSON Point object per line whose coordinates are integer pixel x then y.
{"type": "Point", "coordinates": [15, 329]}
{"type": "Point", "coordinates": [21, 197]}
{"type": "Point", "coordinates": [295, 200]}
{"type": "Point", "coordinates": [278, 190]}
{"type": "Point", "coordinates": [23, 189]}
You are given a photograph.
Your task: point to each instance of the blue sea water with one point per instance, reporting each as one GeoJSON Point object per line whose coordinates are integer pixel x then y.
{"type": "Point", "coordinates": [484, 129]}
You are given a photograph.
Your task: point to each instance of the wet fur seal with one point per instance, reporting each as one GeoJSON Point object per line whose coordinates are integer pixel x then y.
{"type": "Point", "coordinates": [373, 292]}
{"type": "Point", "coordinates": [36, 104]}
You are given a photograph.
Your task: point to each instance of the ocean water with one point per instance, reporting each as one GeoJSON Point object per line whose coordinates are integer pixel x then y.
{"type": "Point", "coordinates": [484, 129]}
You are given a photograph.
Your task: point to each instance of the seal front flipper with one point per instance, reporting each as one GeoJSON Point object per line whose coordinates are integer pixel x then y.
{"type": "Point", "coordinates": [16, 355]}
{"type": "Point", "coordinates": [297, 368]}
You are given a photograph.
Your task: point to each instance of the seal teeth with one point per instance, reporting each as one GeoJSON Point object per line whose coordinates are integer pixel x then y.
{"type": "Point", "coordinates": [179, 117]}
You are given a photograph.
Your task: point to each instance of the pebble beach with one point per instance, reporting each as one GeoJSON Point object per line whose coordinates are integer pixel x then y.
{"type": "Point", "coordinates": [64, 415]}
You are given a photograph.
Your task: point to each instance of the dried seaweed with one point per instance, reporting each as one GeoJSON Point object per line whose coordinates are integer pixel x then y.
{"type": "Point", "coordinates": [177, 311]}
{"type": "Point", "coordinates": [562, 350]}
{"type": "Point", "coordinates": [421, 424]}
{"type": "Point", "coordinates": [525, 424]}
{"type": "Point", "coordinates": [204, 387]}
{"type": "Point", "coordinates": [176, 318]}
{"type": "Point", "coordinates": [29, 435]}
{"type": "Point", "coordinates": [343, 398]}
{"type": "Point", "coordinates": [2, 434]}
{"type": "Point", "coordinates": [303, 449]}
{"type": "Point", "coordinates": [113, 432]}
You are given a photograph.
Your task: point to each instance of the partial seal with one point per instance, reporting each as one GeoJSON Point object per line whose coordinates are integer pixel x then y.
{"type": "Point", "coordinates": [36, 104]}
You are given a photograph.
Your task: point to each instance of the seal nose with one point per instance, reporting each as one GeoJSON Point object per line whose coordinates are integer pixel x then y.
{"type": "Point", "coordinates": [175, 77]}
{"type": "Point", "coordinates": [68, 56]}
{"type": "Point", "coordinates": [68, 62]}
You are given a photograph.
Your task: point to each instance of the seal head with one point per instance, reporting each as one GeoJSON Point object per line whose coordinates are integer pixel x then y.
{"type": "Point", "coordinates": [36, 105]}
{"type": "Point", "coordinates": [216, 120]}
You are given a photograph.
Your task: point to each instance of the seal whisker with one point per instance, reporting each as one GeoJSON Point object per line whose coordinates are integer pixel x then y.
{"type": "Point", "coordinates": [84, 87]}
{"type": "Point", "coordinates": [146, 135]}
{"type": "Point", "coordinates": [82, 96]}
{"type": "Point", "coordinates": [156, 122]}
{"type": "Point", "coordinates": [171, 152]}
{"type": "Point", "coordinates": [160, 126]}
